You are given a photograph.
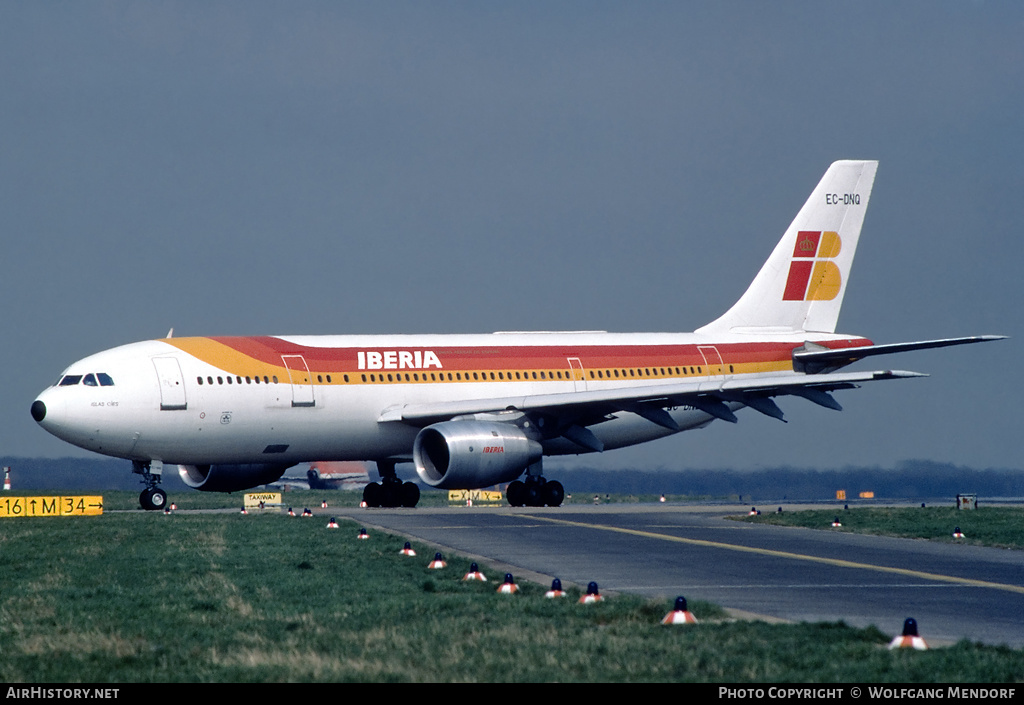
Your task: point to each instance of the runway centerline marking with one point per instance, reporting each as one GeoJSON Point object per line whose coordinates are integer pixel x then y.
{"type": "Point", "coordinates": [792, 556]}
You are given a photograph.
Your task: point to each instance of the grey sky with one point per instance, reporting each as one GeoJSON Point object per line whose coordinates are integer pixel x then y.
{"type": "Point", "coordinates": [333, 167]}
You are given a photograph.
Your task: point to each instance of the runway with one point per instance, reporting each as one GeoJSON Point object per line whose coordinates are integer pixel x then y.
{"type": "Point", "coordinates": [661, 551]}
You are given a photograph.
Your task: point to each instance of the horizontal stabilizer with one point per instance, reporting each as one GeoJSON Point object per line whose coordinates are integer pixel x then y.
{"type": "Point", "coordinates": [814, 359]}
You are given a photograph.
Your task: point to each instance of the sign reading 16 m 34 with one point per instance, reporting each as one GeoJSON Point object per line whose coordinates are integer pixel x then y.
{"type": "Point", "coordinates": [51, 506]}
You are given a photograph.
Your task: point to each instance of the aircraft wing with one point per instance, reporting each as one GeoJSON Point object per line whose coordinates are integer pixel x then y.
{"type": "Point", "coordinates": [576, 410]}
{"type": "Point", "coordinates": [815, 377]}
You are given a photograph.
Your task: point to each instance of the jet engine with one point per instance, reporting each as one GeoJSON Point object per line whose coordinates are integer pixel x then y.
{"type": "Point", "coordinates": [469, 454]}
{"type": "Point", "coordinates": [230, 478]}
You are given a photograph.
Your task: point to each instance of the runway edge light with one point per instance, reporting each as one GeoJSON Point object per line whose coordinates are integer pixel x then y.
{"type": "Point", "coordinates": [679, 614]}
{"type": "Point", "coordinates": [556, 589]}
{"type": "Point", "coordinates": [474, 573]}
{"type": "Point", "coordinates": [508, 587]}
{"type": "Point", "coordinates": [592, 596]}
{"type": "Point", "coordinates": [909, 639]}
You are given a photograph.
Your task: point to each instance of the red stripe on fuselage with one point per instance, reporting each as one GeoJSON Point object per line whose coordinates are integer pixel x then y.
{"type": "Point", "coordinates": [268, 350]}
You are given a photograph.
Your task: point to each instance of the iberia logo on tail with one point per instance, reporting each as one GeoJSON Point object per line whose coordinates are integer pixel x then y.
{"type": "Point", "coordinates": [813, 276]}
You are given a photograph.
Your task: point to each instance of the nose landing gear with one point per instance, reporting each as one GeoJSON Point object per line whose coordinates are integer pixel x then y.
{"type": "Point", "coordinates": [151, 498]}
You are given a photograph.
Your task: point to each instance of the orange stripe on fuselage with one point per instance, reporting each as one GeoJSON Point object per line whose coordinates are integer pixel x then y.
{"type": "Point", "coordinates": [245, 356]}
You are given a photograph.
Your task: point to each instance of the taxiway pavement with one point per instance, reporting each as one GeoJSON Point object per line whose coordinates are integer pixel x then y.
{"type": "Point", "coordinates": [953, 591]}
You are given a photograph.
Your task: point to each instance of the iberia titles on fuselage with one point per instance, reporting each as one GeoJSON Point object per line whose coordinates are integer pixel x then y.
{"type": "Point", "coordinates": [397, 359]}
{"type": "Point", "coordinates": [472, 411]}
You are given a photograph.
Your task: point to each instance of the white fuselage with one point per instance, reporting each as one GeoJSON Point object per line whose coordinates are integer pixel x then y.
{"type": "Point", "coordinates": [169, 404]}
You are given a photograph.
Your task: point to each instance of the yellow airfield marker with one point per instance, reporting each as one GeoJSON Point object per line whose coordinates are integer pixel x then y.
{"type": "Point", "coordinates": [51, 506]}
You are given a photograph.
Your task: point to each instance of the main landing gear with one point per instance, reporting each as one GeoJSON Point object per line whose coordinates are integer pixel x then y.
{"type": "Point", "coordinates": [535, 491]}
{"type": "Point", "coordinates": [391, 491]}
{"type": "Point", "coordinates": [152, 497]}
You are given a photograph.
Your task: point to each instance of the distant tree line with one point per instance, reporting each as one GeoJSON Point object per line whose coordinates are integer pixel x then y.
{"type": "Point", "coordinates": [911, 479]}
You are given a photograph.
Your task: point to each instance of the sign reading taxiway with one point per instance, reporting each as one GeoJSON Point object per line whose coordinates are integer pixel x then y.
{"type": "Point", "coordinates": [91, 505]}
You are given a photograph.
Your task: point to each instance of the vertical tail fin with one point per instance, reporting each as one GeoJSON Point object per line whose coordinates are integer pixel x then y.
{"type": "Point", "coordinates": [801, 286]}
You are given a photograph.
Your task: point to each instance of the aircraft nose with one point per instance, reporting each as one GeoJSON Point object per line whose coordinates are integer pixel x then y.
{"type": "Point", "coordinates": [49, 410]}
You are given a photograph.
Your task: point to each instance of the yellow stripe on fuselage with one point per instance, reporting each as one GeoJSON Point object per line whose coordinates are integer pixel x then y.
{"type": "Point", "coordinates": [237, 363]}
{"type": "Point", "coordinates": [226, 358]}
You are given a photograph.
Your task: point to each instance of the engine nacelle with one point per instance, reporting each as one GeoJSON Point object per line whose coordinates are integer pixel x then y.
{"type": "Point", "coordinates": [468, 454]}
{"type": "Point", "coordinates": [230, 478]}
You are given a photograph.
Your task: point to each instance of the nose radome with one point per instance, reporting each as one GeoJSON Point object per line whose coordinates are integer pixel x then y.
{"type": "Point", "coordinates": [38, 410]}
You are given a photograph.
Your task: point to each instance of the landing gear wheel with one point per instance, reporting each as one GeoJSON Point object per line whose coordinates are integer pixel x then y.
{"type": "Point", "coordinates": [153, 498]}
{"type": "Point", "coordinates": [515, 493]}
{"type": "Point", "coordinates": [553, 493]}
{"type": "Point", "coordinates": [532, 494]}
{"type": "Point", "coordinates": [391, 493]}
{"type": "Point", "coordinates": [372, 494]}
{"type": "Point", "coordinates": [409, 494]}
{"type": "Point", "coordinates": [158, 498]}
{"type": "Point", "coordinates": [535, 492]}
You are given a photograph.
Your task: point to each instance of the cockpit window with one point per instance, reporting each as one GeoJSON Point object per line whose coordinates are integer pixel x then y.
{"type": "Point", "coordinates": [99, 379]}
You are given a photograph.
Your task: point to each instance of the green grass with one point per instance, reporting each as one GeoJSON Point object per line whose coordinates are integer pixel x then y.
{"type": "Point", "coordinates": [986, 526]}
{"type": "Point", "coordinates": [200, 597]}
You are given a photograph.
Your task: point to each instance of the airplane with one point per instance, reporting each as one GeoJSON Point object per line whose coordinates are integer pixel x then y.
{"type": "Point", "coordinates": [330, 476]}
{"type": "Point", "coordinates": [337, 476]}
{"type": "Point", "coordinates": [326, 476]}
{"type": "Point", "coordinates": [472, 411]}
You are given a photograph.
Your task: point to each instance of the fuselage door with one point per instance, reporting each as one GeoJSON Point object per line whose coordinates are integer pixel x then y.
{"type": "Point", "coordinates": [712, 360]}
{"type": "Point", "coordinates": [302, 384]}
{"type": "Point", "coordinates": [579, 381]}
{"type": "Point", "coordinates": [172, 384]}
